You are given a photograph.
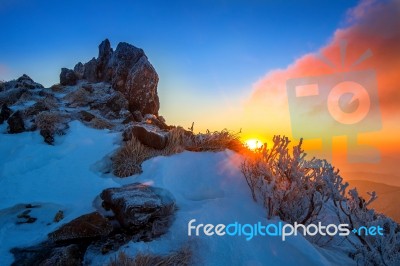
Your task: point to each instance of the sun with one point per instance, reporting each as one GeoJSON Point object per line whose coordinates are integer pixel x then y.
{"type": "Point", "coordinates": [253, 144]}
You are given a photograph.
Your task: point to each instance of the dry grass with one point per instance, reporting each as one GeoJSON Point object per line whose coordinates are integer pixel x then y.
{"type": "Point", "coordinates": [177, 141]}
{"type": "Point", "coordinates": [215, 141]}
{"type": "Point", "coordinates": [181, 258]}
{"type": "Point", "coordinates": [128, 159]}
{"type": "Point", "coordinates": [50, 120]}
{"type": "Point", "coordinates": [79, 97]}
{"type": "Point", "coordinates": [100, 123]}
{"type": "Point", "coordinates": [50, 102]}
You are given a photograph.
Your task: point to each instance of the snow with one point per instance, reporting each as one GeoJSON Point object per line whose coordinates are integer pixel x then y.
{"type": "Point", "coordinates": [207, 187]}
{"type": "Point", "coordinates": [62, 175]}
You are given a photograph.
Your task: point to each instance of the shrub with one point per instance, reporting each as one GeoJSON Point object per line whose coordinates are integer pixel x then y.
{"type": "Point", "coordinates": [181, 258]}
{"type": "Point", "coordinates": [303, 191]}
{"type": "Point", "coordinates": [287, 185]}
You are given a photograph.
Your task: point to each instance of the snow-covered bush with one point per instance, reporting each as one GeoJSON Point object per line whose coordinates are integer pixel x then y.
{"type": "Point", "coordinates": [307, 191]}
{"type": "Point", "coordinates": [288, 185]}
{"type": "Point", "coordinates": [370, 249]}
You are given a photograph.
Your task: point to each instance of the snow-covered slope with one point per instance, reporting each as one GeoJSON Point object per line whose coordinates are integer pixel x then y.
{"type": "Point", "coordinates": [207, 186]}
{"type": "Point", "coordinates": [210, 188]}
{"type": "Point", "coordinates": [60, 177]}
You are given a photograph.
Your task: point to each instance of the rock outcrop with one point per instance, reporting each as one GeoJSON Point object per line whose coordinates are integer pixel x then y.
{"type": "Point", "coordinates": [127, 69]}
{"type": "Point", "coordinates": [68, 77]}
{"type": "Point", "coordinates": [23, 82]}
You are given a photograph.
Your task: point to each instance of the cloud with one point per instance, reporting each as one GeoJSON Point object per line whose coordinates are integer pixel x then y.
{"type": "Point", "coordinates": [372, 26]}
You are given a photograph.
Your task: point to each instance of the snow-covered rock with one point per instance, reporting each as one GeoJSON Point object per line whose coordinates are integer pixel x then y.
{"type": "Point", "coordinates": [142, 209]}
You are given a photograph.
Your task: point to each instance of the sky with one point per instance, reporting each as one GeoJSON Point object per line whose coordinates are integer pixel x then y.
{"type": "Point", "coordinates": [226, 64]}
{"type": "Point", "coordinates": [207, 53]}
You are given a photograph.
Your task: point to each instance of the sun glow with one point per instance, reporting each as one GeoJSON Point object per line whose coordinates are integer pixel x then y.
{"type": "Point", "coordinates": [253, 144]}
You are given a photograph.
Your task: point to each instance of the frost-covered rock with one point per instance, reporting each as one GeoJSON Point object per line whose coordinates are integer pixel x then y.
{"type": "Point", "coordinates": [16, 123]}
{"type": "Point", "coordinates": [68, 77]}
{"type": "Point", "coordinates": [148, 135]}
{"type": "Point", "coordinates": [146, 211]}
{"type": "Point", "coordinates": [88, 226]}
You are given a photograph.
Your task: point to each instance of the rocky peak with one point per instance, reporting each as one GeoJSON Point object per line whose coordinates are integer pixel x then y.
{"type": "Point", "coordinates": [23, 82]}
{"type": "Point", "coordinates": [127, 69]}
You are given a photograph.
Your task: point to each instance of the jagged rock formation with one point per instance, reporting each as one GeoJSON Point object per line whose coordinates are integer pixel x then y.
{"type": "Point", "coordinates": [127, 69]}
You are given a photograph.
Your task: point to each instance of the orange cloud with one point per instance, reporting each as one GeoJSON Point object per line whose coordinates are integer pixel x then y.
{"type": "Point", "coordinates": [374, 26]}
{"type": "Point", "coordinates": [371, 26]}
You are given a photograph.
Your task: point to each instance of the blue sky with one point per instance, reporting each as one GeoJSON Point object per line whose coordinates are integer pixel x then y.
{"type": "Point", "coordinates": [204, 51]}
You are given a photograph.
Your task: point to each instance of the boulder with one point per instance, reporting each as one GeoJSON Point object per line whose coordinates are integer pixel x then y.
{"type": "Point", "coordinates": [5, 113]}
{"type": "Point", "coordinates": [145, 211]}
{"type": "Point", "coordinates": [147, 135]}
{"type": "Point", "coordinates": [16, 123]}
{"type": "Point", "coordinates": [68, 77]}
{"type": "Point", "coordinates": [88, 226]}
